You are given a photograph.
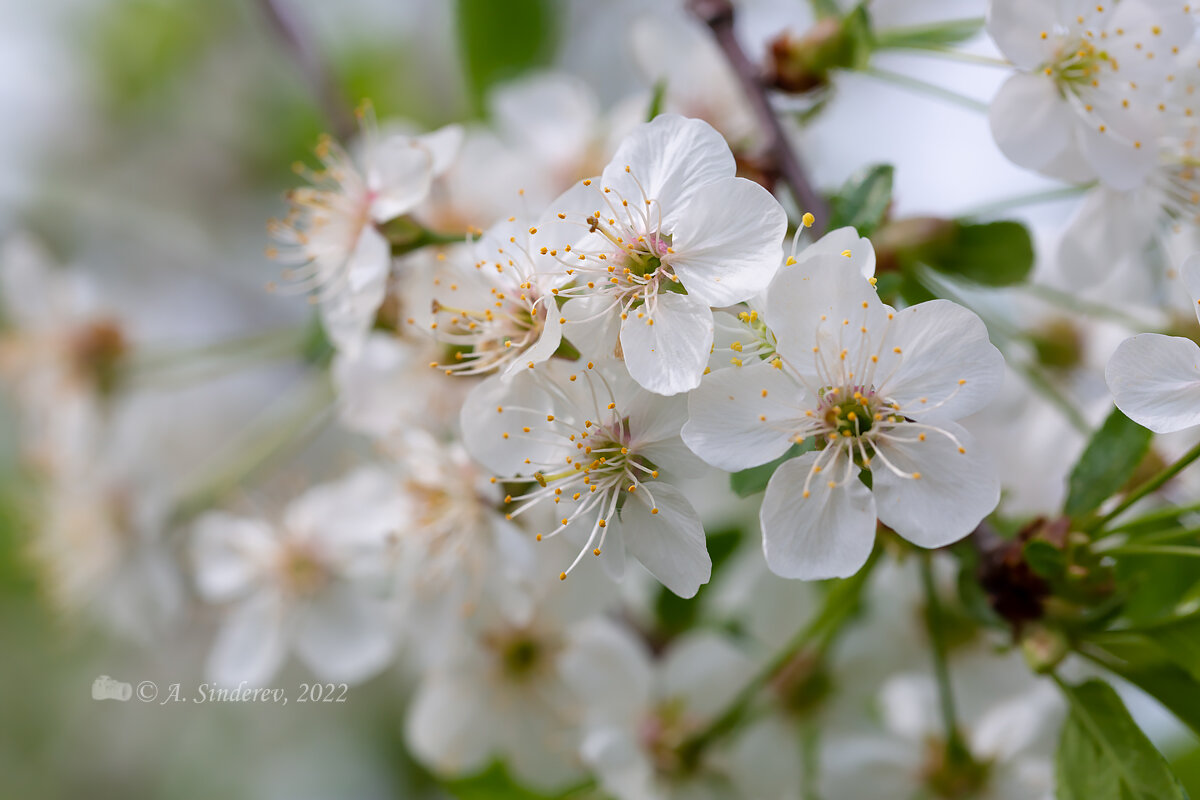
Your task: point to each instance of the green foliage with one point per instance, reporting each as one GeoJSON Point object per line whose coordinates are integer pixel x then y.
{"type": "Point", "coordinates": [138, 47]}
{"type": "Point", "coordinates": [1107, 463]}
{"type": "Point", "coordinates": [863, 200]}
{"type": "Point", "coordinates": [495, 784]}
{"type": "Point", "coordinates": [990, 253]}
{"type": "Point", "coordinates": [676, 614]}
{"type": "Point", "coordinates": [937, 35]}
{"type": "Point", "coordinates": [501, 40]}
{"type": "Point", "coordinates": [1103, 755]}
{"type": "Point", "coordinates": [750, 482]}
{"type": "Point", "coordinates": [656, 100]}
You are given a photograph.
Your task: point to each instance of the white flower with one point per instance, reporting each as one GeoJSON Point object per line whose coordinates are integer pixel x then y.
{"type": "Point", "coordinates": [315, 584]}
{"type": "Point", "coordinates": [600, 449]}
{"type": "Point", "coordinates": [508, 691]}
{"type": "Point", "coordinates": [1155, 379]}
{"type": "Point", "coordinates": [634, 737]}
{"type": "Point", "coordinates": [1088, 101]}
{"type": "Point", "coordinates": [665, 234]}
{"type": "Point", "coordinates": [1010, 721]}
{"type": "Point", "coordinates": [497, 312]}
{"type": "Point", "coordinates": [875, 391]}
{"type": "Point", "coordinates": [331, 227]}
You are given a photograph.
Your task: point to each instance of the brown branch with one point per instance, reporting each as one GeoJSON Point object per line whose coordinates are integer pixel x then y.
{"type": "Point", "coordinates": [718, 16]}
{"type": "Point", "coordinates": [325, 89]}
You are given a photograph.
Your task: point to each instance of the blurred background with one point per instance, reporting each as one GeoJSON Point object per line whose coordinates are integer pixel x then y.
{"type": "Point", "coordinates": [144, 145]}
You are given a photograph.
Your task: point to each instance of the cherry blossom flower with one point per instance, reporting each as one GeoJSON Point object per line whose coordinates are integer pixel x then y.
{"type": "Point", "coordinates": [316, 584]}
{"type": "Point", "coordinates": [601, 450]}
{"type": "Point", "coordinates": [1155, 379]}
{"type": "Point", "coordinates": [875, 391]}
{"type": "Point", "coordinates": [331, 230]}
{"type": "Point", "coordinates": [666, 233]}
{"type": "Point", "coordinates": [1089, 99]}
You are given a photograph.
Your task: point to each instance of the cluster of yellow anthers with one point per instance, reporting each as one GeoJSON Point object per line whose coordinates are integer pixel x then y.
{"type": "Point", "coordinates": [853, 413]}
{"type": "Point", "coordinates": [600, 467]}
{"type": "Point", "coordinates": [628, 258]}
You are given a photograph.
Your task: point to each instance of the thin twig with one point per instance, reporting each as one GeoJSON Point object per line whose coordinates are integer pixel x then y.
{"type": "Point", "coordinates": [297, 41]}
{"type": "Point", "coordinates": [718, 16]}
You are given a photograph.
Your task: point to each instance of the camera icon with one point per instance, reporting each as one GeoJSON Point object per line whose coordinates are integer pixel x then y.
{"type": "Point", "coordinates": [105, 688]}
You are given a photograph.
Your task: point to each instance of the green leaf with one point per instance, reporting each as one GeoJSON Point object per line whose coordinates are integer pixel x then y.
{"type": "Point", "coordinates": [750, 482]}
{"type": "Point", "coordinates": [1044, 558]}
{"type": "Point", "coordinates": [1140, 662]}
{"type": "Point", "coordinates": [1103, 754]}
{"type": "Point", "coordinates": [1106, 464]}
{"type": "Point", "coordinates": [656, 100]}
{"type": "Point", "coordinates": [501, 40]}
{"type": "Point", "coordinates": [1177, 640]}
{"type": "Point", "coordinates": [864, 199]}
{"type": "Point", "coordinates": [990, 253]}
{"type": "Point", "coordinates": [937, 35]}
{"type": "Point", "coordinates": [495, 784]}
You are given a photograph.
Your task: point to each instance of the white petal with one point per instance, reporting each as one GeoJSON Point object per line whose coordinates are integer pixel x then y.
{"type": "Point", "coordinates": [546, 345]}
{"type": "Point", "coordinates": [1118, 162]}
{"type": "Point", "coordinates": [348, 311]}
{"type": "Point", "coordinates": [838, 243]}
{"type": "Point", "coordinates": [725, 423]}
{"type": "Point", "coordinates": [499, 406]}
{"type": "Point", "coordinates": [943, 345]}
{"type": "Point", "coordinates": [705, 671]}
{"type": "Point", "coordinates": [729, 243]}
{"type": "Point", "coordinates": [1017, 25]}
{"type": "Point", "coordinates": [250, 645]}
{"type": "Point", "coordinates": [229, 553]}
{"type": "Point", "coordinates": [670, 544]}
{"type": "Point", "coordinates": [399, 173]}
{"type": "Point", "coordinates": [829, 534]}
{"type": "Point", "coordinates": [1030, 121]}
{"type": "Point", "coordinates": [620, 764]}
{"type": "Point", "coordinates": [607, 665]}
{"type": "Point", "coordinates": [908, 706]}
{"type": "Point", "coordinates": [590, 328]}
{"type": "Point", "coordinates": [670, 157]}
{"type": "Point", "coordinates": [448, 727]}
{"type": "Point", "coordinates": [443, 146]}
{"type": "Point", "coordinates": [1016, 725]}
{"type": "Point", "coordinates": [1155, 381]}
{"type": "Point", "coordinates": [343, 635]}
{"type": "Point", "coordinates": [1108, 228]}
{"type": "Point", "coordinates": [955, 492]}
{"type": "Point", "coordinates": [669, 356]}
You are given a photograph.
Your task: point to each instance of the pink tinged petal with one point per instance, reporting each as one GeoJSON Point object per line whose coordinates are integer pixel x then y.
{"type": "Point", "coordinates": [1155, 381]}
{"type": "Point", "coordinates": [1122, 158]}
{"type": "Point", "coordinates": [1190, 274]}
{"type": "Point", "coordinates": [946, 359]}
{"type": "Point", "coordinates": [230, 554]}
{"type": "Point", "coordinates": [343, 635]}
{"type": "Point", "coordinates": [668, 356]}
{"type": "Point", "coordinates": [670, 543]}
{"type": "Point", "coordinates": [250, 646]}
{"type": "Point", "coordinates": [829, 534]}
{"type": "Point", "coordinates": [670, 157]}
{"type": "Point", "coordinates": [726, 425]}
{"type": "Point", "coordinates": [1031, 122]}
{"type": "Point", "coordinates": [955, 491]}
{"type": "Point", "coordinates": [399, 174]}
{"type": "Point", "coordinates": [729, 243]}
{"type": "Point", "coordinates": [1017, 25]}
{"type": "Point", "coordinates": [844, 242]}
{"type": "Point", "coordinates": [443, 146]}
{"type": "Point", "coordinates": [348, 311]}
{"type": "Point", "coordinates": [448, 727]}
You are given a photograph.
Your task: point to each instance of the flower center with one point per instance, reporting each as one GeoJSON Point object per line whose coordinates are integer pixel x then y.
{"type": "Point", "coordinates": [1078, 64]}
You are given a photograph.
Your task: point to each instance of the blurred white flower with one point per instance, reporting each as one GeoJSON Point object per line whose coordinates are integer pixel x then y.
{"type": "Point", "coordinates": [1090, 99]}
{"type": "Point", "coordinates": [587, 438]}
{"type": "Point", "coordinates": [1155, 379]}
{"type": "Point", "coordinates": [666, 233]}
{"type": "Point", "coordinates": [877, 391]}
{"type": "Point", "coordinates": [331, 230]}
{"type": "Point", "coordinates": [316, 584]}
